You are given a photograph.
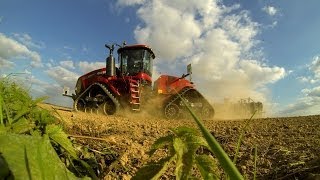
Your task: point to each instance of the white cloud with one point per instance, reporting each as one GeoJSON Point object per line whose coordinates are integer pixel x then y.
{"type": "Point", "coordinates": [86, 67]}
{"type": "Point", "coordinates": [67, 64]}
{"type": "Point", "coordinates": [41, 88]}
{"type": "Point", "coordinates": [27, 41]}
{"type": "Point", "coordinates": [62, 76]}
{"type": "Point", "coordinates": [261, 74]}
{"type": "Point", "coordinates": [270, 10]}
{"type": "Point", "coordinates": [49, 65]}
{"type": "Point", "coordinates": [309, 101]}
{"type": "Point", "coordinates": [68, 48]}
{"type": "Point", "coordinates": [313, 71]}
{"type": "Point", "coordinates": [220, 42]}
{"type": "Point", "coordinates": [84, 49]}
{"type": "Point", "coordinates": [130, 2]}
{"type": "Point", "coordinates": [5, 63]}
{"type": "Point", "coordinates": [314, 92]}
{"type": "Point", "coordinates": [303, 106]}
{"type": "Point", "coordinates": [12, 50]}
{"type": "Point", "coordinates": [307, 79]}
{"type": "Point", "coordinates": [315, 67]}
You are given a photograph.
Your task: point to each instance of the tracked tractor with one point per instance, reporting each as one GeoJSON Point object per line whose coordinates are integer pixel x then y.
{"type": "Point", "coordinates": [129, 86]}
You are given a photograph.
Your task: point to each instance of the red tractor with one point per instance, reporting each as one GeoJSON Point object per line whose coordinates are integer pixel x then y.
{"type": "Point", "coordinates": [109, 89]}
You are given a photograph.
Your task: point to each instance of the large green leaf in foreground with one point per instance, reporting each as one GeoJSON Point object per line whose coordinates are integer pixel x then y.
{"type": "Point", "coordinates": [33, 157]}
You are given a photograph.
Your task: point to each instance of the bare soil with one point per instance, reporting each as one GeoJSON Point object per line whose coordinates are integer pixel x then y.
{"type": "Point", "coordinates": [287, 148]}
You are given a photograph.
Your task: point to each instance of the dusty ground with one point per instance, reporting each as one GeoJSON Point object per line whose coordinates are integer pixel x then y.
{"type": "Point", "coordinates": [288, 148]}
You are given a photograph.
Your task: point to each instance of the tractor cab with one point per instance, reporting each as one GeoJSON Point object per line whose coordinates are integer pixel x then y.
{"type": "Point", "coordinates": [136, 60]}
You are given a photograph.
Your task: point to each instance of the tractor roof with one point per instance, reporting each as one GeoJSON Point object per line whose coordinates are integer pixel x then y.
{"type": "Point", "coordinates": [137, 46]}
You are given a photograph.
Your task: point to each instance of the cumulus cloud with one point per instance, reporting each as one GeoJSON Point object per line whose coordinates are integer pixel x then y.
{"type": "Point", "coordinates": [5, 63]}
{"type": "Point", "coordinates": [313, 72]}
{"type": "Point", "coordinates": [130, 2]}
{"type": "Point", "coordinates": [306, 105]}
{"type": "Point", "coordinates": [270, 10]}
{"type": "Point", "coordinates": [260, 74]}
{"type": "Point", "coordinates": [309, 101]}
{"type": "Point", "coordinates": [12, 50]}
{"type": "Point", "coordinates": [62, 76]}
{"type": "Point", "coordinates": [27, 41]}
{"type": "Point", "coordinates": [221, 44]}
{"type": "Point", "coordinates": [315, 67]}
{"type": "Point", "coordinates": [303, 106]}
{"type": "Point", "coordinates": [67, 64]}
{"type": "Point", "coordinates": [307, 79]}
{"type": "Point", "coordinates": [40, 88]}
{"type": "Point", "coordinates": [313, 92]}
{"type": "Point", "coordinates": [86, 66]}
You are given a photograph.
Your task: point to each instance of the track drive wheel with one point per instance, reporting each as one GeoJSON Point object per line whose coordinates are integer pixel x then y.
{"type": "Point", "coordinates": [172, 111]}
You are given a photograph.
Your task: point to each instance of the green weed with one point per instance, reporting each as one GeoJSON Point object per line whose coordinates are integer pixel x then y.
{"type": "Point", "coordinates": [21, 118]}
{"type": "Point", "coordinates": [241, 136]}
{"type": "Point", "coordinates": [182, 146]}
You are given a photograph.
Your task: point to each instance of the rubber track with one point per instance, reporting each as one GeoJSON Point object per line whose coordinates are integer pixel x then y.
{"type": "Point", "coordinates": [182, 93]}
{"type": "Point", "coordinates": [108, 93]}
{"type": "Point", "coordinates": [177, 96]}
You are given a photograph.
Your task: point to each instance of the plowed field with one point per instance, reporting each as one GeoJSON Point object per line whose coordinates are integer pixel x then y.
{"type": "Point", "coordinates": [288, 148]}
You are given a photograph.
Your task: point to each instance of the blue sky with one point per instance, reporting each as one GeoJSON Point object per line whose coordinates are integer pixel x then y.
{"type": "Point", "coordinates": [268, 50]}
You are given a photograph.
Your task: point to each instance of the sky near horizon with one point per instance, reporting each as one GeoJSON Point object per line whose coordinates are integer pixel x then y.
{"type": "Point", "coordinates": [268, 50]}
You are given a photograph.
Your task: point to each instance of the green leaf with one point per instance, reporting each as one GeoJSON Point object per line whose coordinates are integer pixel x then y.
{"type": "Point", "coordinates": [3, 129]}
{"type": "Point", "coordinates": [4, 170]}
{"type": "Point", "coordinates": [153, 170]}
{"type": "Point", "coordinates": [1, 111]}
{"type": "Point", "coordinates": [21, 113]}
{"type": "Point", "coordinates": [22, 126]}
{"type": "Point", "coordinates": [207, 166]}
{"type": "Point", "coordinates": [180, 148]}
{"type": "Point", "coordinates": [42, 160]}
{"type": "Point", "coordinates": [57, 135]}
{"type": "Point", "coordinates": [36, 132]}
{"type": "Point", "coordinates": [186, 145]}
{"type": "Point", "coordinates": [160, 143]}
{"type": "Point", "coordinates": [9, 119]}
{"type": "Point", "coordinates": [183, 130]}
{"type": "Point", "coordinates": [27, 163]}
{"type": "Point", "coordinates": [46, 117]}
{"type": "Point", "coordinates": [38, 100]}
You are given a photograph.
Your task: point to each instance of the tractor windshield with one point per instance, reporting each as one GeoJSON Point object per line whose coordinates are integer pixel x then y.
{"type": "Point", "coordinates": [133, 61]}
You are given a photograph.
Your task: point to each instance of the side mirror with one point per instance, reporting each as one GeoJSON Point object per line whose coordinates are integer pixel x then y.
{"type": "Point", "coordinates": [66, 90]}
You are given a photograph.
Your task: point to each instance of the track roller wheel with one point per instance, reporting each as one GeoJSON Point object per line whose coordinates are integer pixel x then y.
{"type": "Point", "coordinates": [80, 105]}
{"type": "Point", "coordinates": [108, 108]}
{"type": "Point", "coordinates": [89, 110]}
{"type": "Point", "coordinates": [207, 112]}
{"type": "Point", "coordinates": [172, 111]}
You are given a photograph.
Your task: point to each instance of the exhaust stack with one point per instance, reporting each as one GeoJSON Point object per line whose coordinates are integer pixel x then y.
{"type": "Point", "coordinates": [110, 62]}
